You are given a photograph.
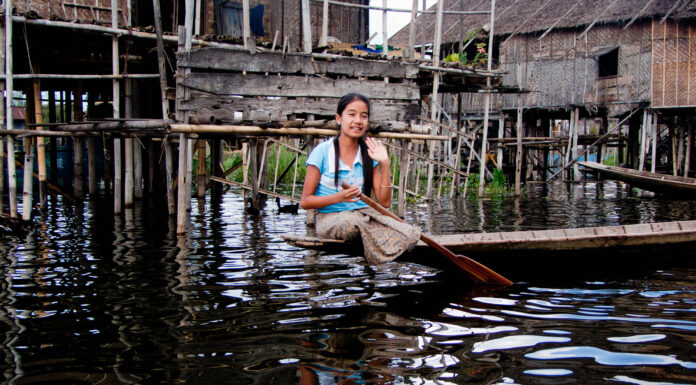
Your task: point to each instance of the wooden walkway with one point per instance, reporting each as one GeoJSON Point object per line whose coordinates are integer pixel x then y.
{"type": "Point", "coordinates": [658, 183]}
{"type": "Point", "coordinates": [648, 235]}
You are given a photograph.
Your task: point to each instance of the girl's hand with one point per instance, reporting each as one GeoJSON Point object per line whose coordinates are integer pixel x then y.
{"type": "Point", "coordinates": [350, 194]}
{"type": "Point", "coordinates": [377, 151]}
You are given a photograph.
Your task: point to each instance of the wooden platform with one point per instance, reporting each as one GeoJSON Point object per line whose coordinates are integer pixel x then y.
{"type": "Point", "coordinates": [649, 236]}
{"type": "Point", "coordinates": [658, 183]}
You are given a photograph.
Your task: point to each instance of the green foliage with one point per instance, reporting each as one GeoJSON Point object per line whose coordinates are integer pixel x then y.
{"type": "Point", "coordinates": [481, 58]}
{"type": "Point", "coordinates": [497, 186]}
{"type": "Point", "coordinates": [611, 160]}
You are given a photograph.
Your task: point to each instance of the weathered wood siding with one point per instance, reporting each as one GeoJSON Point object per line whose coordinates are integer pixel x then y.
{"type": "Point", "coordinates": [94, 11]}
{"type": "Point", "coordinates": [673, 64]}
{"type": "Point", "coordinates": [269, 86]}
{"type": "Point", "coordinates": [562, 68]}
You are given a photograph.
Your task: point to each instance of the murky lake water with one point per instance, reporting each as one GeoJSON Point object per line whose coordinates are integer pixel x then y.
{"type": "Point", "coordinates": [89, 298]}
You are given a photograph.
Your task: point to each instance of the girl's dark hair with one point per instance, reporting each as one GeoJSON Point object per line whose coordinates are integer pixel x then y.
{"type": "Point", "coordinates": [366, 160]}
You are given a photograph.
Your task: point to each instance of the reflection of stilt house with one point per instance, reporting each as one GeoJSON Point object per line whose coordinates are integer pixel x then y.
{"type": "Point", "coordinates": [223, 74]}
{"type": "Point", "coordinates": [584, 66]}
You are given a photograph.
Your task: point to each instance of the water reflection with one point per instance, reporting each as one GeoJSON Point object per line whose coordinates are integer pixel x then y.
{"type": "Point", "coordinates": [90, 297]}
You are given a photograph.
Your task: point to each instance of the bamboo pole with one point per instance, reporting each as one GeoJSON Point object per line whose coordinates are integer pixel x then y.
{"type": "Point", "coordinates": [188, 42]}
{"type": "Point", "coordinates": [92, 166]}
{"type": "Point", "coordinates": [53, 146]}
{"type": "Point", "coordinates": [576, 171]}
{"type": "Point", "coordinates": [40, 144]}
{"type": "Point", "coordinates": [424, 11]}
{"type": "Point", "coordinates": [385, 36]}
{"type": "Point", "coordinates": [654, 142]}
{"type": "Point", "coordinates": [201, 170]}
{"type": "Point", "coordinates": [137, 168]}
{"type": "Point", "coordinates": [689, 140]}
{"type": "Point", "coordinates": [644, 139]}
{"type": "Point", "coordinates": [434, 94]}
{"type": "Point", "coordinates": [116, 98]}
{"type": "Point", "coordinates": [2, 118]}
{"type": "Point", "coordinates": [78, 180]}
{"type": "Point", "coordinates": [518, 155]}
{"type": "Point", "coordinates": [501, 134]}
{"type": "Point", "coordinates": [9, 120]}
{"type": "Point", "coordinates": [673, 137]}
{"type": "Point", "coordinates": [486, 103]}
{"type": "Point", "coordinates": [28, 191]}
{"type": "Point", "coordinates": [255, 130]}
{"type": "Point", "coordinates": [571, 124]}
{"type": "Point", "coordinates": [128, 150]}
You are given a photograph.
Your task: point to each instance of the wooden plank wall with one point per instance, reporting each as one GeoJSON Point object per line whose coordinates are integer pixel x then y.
{"type": "Point", "coordinates": [269, 86]}
{"type": "Point", "coordinates": [673, 64]}
{"type": "Point", "coordinates": [93, 11]}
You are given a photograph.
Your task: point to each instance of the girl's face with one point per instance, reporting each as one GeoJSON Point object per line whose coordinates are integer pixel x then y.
{"type": "Point", "coordinates": [353, 120]}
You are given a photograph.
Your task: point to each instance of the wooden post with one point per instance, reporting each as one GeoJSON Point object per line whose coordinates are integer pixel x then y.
{"type": "Point", "coordinates": [673, 137]}
{"type": "Point", "coordinates": [185, 145]}
{"type": "Point", "coordinates": [78, 180]}
{"type": "Point", "coordinates": [2, 118]}
{"type": "Point", "coordinates": [9, 122]}
{"type": "Point", "coordinates": [40, 143]}
{"type": "Point", "coordinates": [576, 170]}
{"type": "Point", "coordinates": [385, 36]}
{"type": "Point", "coordinates": [325, 25]}
{"type": "Point", "coordinates": [501, 134]}
{"type": "Point", "coordinates": [306, 27]}
{"type": "Point", "coordinates": [52, 145]}
{"type": "Point", "coordinates": [433, 96]}
{"type": "Point", "coordinates": [654, 142]}
{"type": "Point", "coordinates": [689, 139]}
{"type": "Point", "coordinates": [168, 152]}
{"type": "Point", "coordinates": [411, 52]}
{"type": "Point", "coordinates": [128, 188]}
{"type": "Point", "coordinates": [680, 147]}
{"type": "Point", "coordinates": [403, 174]}
{"type": "Point", "coordinates": [116, 98]}
{"type": "Point", "coordinates": [246, 23]}
{"type": "Point", "coordinates": [486, 102]}
{"type": "Point", "coordinates": [137, 168]}
{"type": "Point", "coordinates": [570, 141]}
{"type": "Point", "coordinates": [28, 191]}
{"type": "Point", "coordinates": [91, 152]}
{"type": "Point", "coordinates": [643, 139]}
{"type": "Point", "coordinates": [518, 157]}
{"type": "Point", "coordinates": [201, 170]}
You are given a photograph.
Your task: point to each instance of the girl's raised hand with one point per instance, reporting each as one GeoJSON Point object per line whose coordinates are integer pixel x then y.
{"type": "Point", "coordinates": [376, 150]}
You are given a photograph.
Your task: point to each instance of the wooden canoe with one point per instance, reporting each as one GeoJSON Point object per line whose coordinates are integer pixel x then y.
{"type": "Point", "coordinates": [647, 236]}
{"type": "Point", "coordinates": [658, 183]}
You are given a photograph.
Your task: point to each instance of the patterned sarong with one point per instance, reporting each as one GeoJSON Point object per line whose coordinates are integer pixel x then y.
{"type": "Point", "coordinates": [383, 238]}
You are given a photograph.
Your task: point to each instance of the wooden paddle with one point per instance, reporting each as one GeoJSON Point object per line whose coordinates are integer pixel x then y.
{"type": "Point", "coordinates": [474, 270]}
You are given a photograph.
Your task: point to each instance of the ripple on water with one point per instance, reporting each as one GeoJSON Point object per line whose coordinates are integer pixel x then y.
{"type": "Point", "coordinates": [604, 357]}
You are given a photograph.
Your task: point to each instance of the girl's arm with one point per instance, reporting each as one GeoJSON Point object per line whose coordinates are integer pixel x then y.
{"type": "Point", "coordinates": [311, 201]}
{"type": "Point", "coordinates": [381, 180]}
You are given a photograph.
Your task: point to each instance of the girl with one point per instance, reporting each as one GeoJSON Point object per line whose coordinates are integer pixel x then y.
{"type": "Point", "coordinates": [363, 163]}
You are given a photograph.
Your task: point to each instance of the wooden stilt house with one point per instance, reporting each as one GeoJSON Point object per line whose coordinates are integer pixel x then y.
{"type": "Point", "coordinates": [621, 72]}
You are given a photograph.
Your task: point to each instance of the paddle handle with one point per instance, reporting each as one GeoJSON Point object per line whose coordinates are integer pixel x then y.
{"type": "Point", "coordinates": [476, 271]}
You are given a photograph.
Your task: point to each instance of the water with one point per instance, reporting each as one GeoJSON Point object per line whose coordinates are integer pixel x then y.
{"type": "Point", "coordinates": [89, 298]}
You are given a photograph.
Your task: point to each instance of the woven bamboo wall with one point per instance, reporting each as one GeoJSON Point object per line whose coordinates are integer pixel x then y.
{"type": "Point", "coordinates": [673, 64]}
{"type": "Point", "coordinates": [562, 68]}
{"type": "Point", "coordinates": [346, 24]}
{"type": "Point", "coordinates": [92, 11]}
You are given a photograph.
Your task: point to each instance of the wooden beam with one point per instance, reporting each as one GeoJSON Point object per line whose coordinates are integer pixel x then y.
{"type": "Point", "coordinates": [276, 63]}
{"type": "Point", "coordinates": [297, 86]}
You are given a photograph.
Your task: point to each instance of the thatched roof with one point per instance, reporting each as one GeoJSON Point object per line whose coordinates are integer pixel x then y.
{"type": "Point", "coordinates": [536, 16]}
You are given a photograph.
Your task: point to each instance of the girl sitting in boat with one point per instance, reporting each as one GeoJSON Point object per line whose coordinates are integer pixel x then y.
{"type": "Point", "coordinates": [363, 163]}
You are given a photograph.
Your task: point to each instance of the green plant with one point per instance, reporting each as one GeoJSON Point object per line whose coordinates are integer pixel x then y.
{"type": "Point", "coordinates": [481, 58]}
